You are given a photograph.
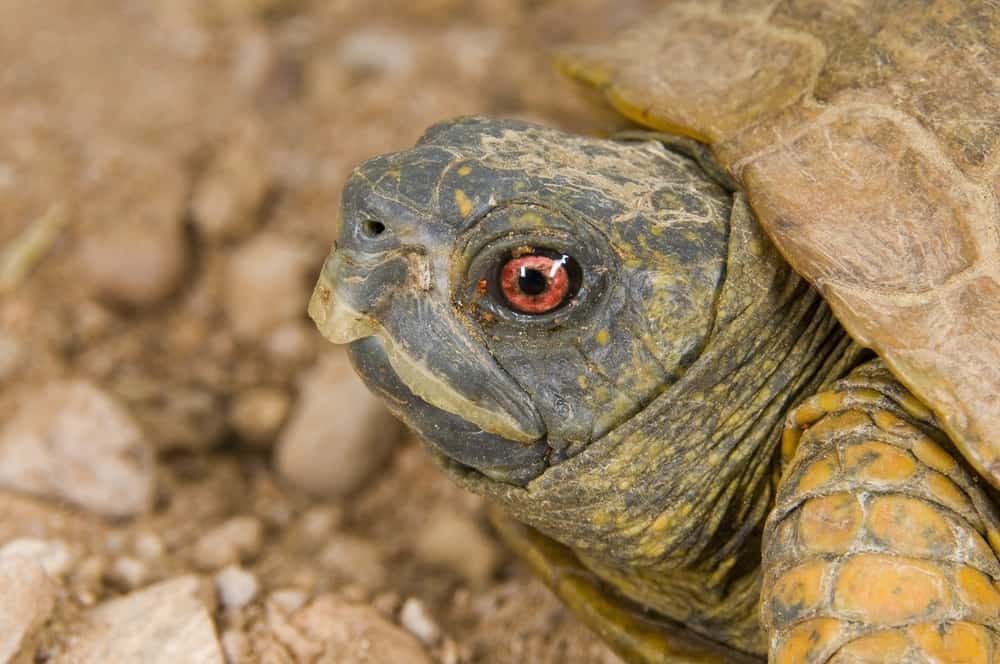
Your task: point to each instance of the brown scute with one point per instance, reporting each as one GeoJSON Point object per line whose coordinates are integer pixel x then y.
{"type": "Point", "coordinates": [866, 136]}
{"type": "Point", "coordinates": [823, 198]}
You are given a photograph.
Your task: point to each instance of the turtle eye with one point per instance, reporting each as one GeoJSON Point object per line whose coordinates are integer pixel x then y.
{"type": "Point", "coordinates": [538, 281]}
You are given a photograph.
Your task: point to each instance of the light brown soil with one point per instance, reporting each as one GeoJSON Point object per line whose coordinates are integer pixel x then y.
{"type": "Point", "coordinates": [118, 113]}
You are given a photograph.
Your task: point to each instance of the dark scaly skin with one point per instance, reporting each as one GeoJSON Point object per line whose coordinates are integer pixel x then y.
{"type": "Point", "coordinates": [639, 425]}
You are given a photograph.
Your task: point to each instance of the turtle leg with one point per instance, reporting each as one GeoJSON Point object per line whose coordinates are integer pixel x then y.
{"type": "Point", "coordinates": [881, 546]}
{"type": "Point", "coordinates": [636, 636]}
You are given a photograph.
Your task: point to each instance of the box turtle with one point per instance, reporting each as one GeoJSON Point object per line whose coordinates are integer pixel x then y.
{"type": "Point", "coordinates": [732, 380]}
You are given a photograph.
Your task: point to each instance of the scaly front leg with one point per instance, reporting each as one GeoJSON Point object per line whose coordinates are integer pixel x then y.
{"type": "Point", "coordinates": [882, 547]}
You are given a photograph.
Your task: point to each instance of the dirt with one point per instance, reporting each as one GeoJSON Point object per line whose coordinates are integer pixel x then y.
{"type": "Point", "coordinates": [170, 174]}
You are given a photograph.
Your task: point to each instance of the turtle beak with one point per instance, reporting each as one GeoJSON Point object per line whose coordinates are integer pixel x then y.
{"type": "Point", "coordinates": [336, 319]}
{"type": "Point", "coordinates": [390, 296]}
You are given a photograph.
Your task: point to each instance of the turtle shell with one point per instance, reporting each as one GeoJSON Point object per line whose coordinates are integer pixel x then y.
{"type": "Point", "coordinates": [867, 137]}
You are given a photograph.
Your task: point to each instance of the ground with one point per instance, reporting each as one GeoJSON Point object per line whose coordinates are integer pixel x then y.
{"type": "Point", "coordinates": [180, 452]}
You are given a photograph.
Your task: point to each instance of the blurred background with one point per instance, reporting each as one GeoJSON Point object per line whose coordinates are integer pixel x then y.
{"type": "Point", "coordinates": [180, 452]}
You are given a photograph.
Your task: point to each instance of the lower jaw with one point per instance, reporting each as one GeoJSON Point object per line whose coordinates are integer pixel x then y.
{"type": "Point", "coordinates": [495, 457]}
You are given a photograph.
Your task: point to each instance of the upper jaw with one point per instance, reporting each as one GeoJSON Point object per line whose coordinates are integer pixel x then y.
{"type": "Point", "coordinates": [431, 352]}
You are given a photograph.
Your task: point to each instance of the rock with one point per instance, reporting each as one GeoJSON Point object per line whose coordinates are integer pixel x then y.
{"type": "Point", "coordinates": [163, 624]}
{"type": "Point", "coordinates": [27, 598]}
{"type": "Point", "coordinates": [71, 440]}
{"type": "Point", "coordinates": [53, 555]}
{"type": "Point", "coordinates": [236, 587]}
{"type": "Point", "coordinates": [376, 51]}
{"type": "Point", "coordinates": [257, 414]}
{"type": "Point", "coordinates": [237, 647]}
{"type": "Point", "coordinates": [267, 283]}
{"type": "Point", "coordinates": [234, 541]}
{"type": "Point", "coordinates": [148, 546]}
{"type": "Point", "coordinates": [227, 200]}
{"type": "Point", "coordinates": [287, 600]}
{"type": "Point", "coordinates": [11, 356]}
{"type": "Point", "coordinates": [230, 10]}
{"type": "Point", "coordinates": [25, 516]}
{"type": "Point", "coordinates": [414, 617]}
{"type": "Point", "coordinates": [140, 258]}
{"type": "Point", "coordinates": [128, 572]}
{"type": "Point", "coordinates": [317, 523]}
{"type": "Point", "coordinates": [326, 448]}
{"type": "Point", "coordinates": [453, 540]}
{"type": "Point", "coordinates": [356, 560]}
{"type": "Point", "coordinates": [293, 341]}
{"type": "Point", "coordinates": [177, 414]}
{"type": "Point", "coordinates": [356, 634]}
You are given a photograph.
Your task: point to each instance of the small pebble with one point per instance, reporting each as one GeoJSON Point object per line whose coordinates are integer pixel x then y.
{"type": "Point", "coordinates": [288, 599]}
{"type": "Point", "coordinates": [376, 51]}
{"type": "Point", "coordinates": [236, 646]}
{"type": "Point", "coordinates": [348, 632]}
{"type": "Point", "coordinates": [292, 341]}
{"type": "Point", "coordinates": [355, 559]}
{"type": "Point", "coordinates": [226, 200]}
{"type": "Point", "coordinates": [234, 541]}
{"type": "Point", "coordinates": [135, 251]}
{"type": "Point", "coordinates": [257, 414]}
{"type": "Point", "coordinates": [267, 283]}
{"type": "Point", "coordinates": [53, 555]}
{"type": "Point", "coordinates": [414, 617]}
{"type": "Point", "coordinates": [331, 455]}
{"type": "Point", "coordinates": [129, 572]}
{"type": "Point", "coordinates": [71, 440]}
{"type": "Point", "coordinates": [27, 598]}
{"type": "Point", "coordinates": [149, 546]}
{"type": "Point", "coordinates": [11, 356]}
{"type": "Point", "coordinates": [454, 540]}
{"type": "Point", "coordinates": [236, 586]}
{"type": "Point", "coordinates": [166, 623]}
{"type": "Point", "coordinates": [318, 522]}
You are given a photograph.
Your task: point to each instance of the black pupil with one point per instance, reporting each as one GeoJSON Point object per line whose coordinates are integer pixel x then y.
{"type": "Point", "coordinates": [531, 282]}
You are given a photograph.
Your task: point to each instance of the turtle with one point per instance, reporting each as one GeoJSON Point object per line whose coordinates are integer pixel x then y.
{"type": "Point", "coordinates": [730, 377]}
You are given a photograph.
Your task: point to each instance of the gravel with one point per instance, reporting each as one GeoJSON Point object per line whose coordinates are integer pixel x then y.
{"type": "Point", "coordinates": [236, 540]}
{"type": "Point", "coordinates": [27, 597]}
{"type": "Point", "coordinates": [339, 434]}
{"type": "Point", "coordinates": [166, 623]}
{"type": "Point", "coordinates": [71, 440]}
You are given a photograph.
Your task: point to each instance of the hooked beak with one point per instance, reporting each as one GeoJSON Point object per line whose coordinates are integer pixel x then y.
{"type": "Point", "coordinates": [336, 319]}
{"type": "Point", "coordinates": [431, 352]}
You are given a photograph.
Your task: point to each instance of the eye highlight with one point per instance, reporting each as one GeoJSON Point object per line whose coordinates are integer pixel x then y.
{"type": "Point", "coordinates": [538, 282]}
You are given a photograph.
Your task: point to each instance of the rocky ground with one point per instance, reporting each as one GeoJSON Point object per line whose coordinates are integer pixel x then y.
{"type": "Point", "coordinates": [188, 472]}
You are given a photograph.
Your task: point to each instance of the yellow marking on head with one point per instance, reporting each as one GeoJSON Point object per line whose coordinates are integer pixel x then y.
{"type": "Point", "coordinates": [603, 337]}
{"type": "Point", "coordinates": [581, 380]}
{"type": "Point", "coordinates": [463, 171]}
{"type": "Point", "coordinates": [528, 219]}
{"type": "Point", "coordinates": [463, 203]}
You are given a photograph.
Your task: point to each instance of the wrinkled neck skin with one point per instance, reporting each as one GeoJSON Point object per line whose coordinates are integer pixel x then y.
{"type": "Point", "coordinates": [679, 530]}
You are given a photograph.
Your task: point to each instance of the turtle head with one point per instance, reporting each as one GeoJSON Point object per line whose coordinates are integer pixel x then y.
{"type": "Point", "coordinates": [514, 293]}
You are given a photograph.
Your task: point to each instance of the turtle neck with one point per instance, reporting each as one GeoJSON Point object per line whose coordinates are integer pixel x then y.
{"type": "Point", "coordinates": [669, 507]}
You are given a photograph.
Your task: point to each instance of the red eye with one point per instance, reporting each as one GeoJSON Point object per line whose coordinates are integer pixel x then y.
{"type": "Point", "coordinates": [536, 283]}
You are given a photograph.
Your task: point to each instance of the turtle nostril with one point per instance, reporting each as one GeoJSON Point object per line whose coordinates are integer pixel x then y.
{"type": "Point", "coordinates": [372, 228]}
